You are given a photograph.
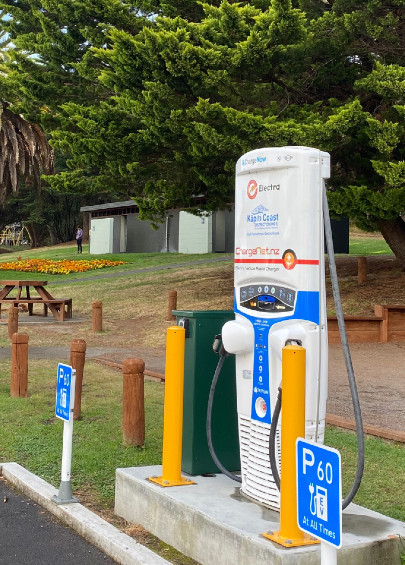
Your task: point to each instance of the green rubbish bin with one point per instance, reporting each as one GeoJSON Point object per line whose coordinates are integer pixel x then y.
{"type": "Point", "coordinates": [199, 368]}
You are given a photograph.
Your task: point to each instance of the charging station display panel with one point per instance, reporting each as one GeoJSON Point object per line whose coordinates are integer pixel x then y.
{"type": "Point", "coordinates": [278, 235]}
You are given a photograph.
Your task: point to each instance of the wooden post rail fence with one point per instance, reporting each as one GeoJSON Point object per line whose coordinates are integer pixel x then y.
{"type": "Point", "coordinates": [133, 403]}
{"type": "Point", "coordinates": [172, 305]}
{"type": "Point", "coordinates": [12, 321]}
{"type": "Point", "coordinates": [77, 360]}
{"type": "Point", "coordinates": [19, 365]}
{"type": "Point", "coordinates": [388, 324]}
{"type": "Point", "coordinates": [97, 316]}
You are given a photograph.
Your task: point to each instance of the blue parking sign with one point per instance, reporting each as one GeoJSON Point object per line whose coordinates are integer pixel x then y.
{"type": "Point", "coordinates": [319, 491]}
{"type": "Point", "coordinates": [64, 388]}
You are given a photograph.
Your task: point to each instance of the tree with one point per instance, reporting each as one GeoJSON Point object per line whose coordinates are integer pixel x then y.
{"type": "Point", "coordinates": [198, 95]}
{"type": "Point", "coordinates": [24, 149]}
{"type": "Point", "coordinates": [39, 71]}
{"type": "Point", "coordinates": [50, 41]}
{"type": "Point", "coordinates": [179, 99]}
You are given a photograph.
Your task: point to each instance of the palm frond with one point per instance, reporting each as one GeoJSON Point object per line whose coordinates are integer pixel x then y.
{"type": "Point", "coordinates": [24, 152]}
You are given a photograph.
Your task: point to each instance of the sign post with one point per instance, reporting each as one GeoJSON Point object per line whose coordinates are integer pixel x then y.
{"type": "Point", "coordinates": [65, 394]}
{"type": "Point", "coordinates": [319, 496]}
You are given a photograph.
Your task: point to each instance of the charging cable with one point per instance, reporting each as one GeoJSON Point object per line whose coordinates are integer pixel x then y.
{"type": "Point", "coordinates": [349, 368]}
{"type": "Point", "coordinates": [217, 347]}
{"type": "Point", "coordinates": [346, 353]}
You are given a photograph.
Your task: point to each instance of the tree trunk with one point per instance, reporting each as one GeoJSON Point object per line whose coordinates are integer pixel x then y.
{"type": "Point", "coordinates": [38, 233]}
{"type": "Point", "coordinates": [52, 235]}
{"type": "Point", "coordinates": [393, 232]}
{"type": "Point", "coordinates": [31, 229]}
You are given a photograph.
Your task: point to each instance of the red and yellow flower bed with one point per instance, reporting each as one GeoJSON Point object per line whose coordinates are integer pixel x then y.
{"type": "Point", "coordinates": [63, 267]}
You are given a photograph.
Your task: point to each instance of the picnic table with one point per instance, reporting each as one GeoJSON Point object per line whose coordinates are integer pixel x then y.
{"type": "Point", "coordinates": [61, 308]}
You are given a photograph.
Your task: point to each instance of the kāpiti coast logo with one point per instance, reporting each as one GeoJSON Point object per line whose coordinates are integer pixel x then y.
{"type": "Point", "coordinates": [261, 215]}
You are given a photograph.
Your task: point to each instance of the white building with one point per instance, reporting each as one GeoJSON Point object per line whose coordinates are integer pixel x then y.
{"type": "Point", "coordinates": [116, 228]}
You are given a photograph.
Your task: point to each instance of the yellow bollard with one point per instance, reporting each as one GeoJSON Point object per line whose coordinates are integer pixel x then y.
{"type": "Point", "coordinates": [292, 427]}
{"type": "Point", "coordinates": [173, 411]}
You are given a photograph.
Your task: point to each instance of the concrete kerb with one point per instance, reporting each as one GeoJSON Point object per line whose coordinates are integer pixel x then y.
{"type": "Point", "coordinates": [90, 526]}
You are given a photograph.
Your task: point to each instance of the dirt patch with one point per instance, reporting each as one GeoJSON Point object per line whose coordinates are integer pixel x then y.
{"type": "Point", "coordinates": [378, 369]}
{"type": "Point", "coordinates": [347, 265]}
{"type": "Point", "coordinates": [135, 308]}
{"type": "Point", "coordinates": [385, 284]}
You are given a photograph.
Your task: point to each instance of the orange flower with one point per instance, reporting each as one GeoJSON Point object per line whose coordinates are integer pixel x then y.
{"type": "Point", "coordinates": [63, 267]}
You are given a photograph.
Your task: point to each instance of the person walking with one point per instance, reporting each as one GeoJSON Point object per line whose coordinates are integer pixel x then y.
{"type": "Point", "coordinates": [79, 237]}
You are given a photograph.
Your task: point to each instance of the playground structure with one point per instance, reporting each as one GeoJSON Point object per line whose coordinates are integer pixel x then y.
{"type": "Point", "coordinates": [14, 235]}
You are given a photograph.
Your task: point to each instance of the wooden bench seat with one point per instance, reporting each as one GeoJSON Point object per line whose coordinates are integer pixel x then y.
{"type": "Point", "coordinates": [60, 307]}
{"type": "Point", "coordinates": [62, 303]}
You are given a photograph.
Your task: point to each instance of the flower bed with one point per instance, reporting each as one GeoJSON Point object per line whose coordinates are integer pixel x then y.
{"type": "Point", "coordinates": [63, 267]}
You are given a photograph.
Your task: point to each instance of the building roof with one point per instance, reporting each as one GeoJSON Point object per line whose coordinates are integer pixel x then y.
{"type": "Point", "coordinates": [109, 206]}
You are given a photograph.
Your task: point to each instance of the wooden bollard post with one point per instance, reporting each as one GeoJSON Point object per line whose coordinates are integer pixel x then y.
{"type": "Point", "coordinates": [172, 305]}
{"type": "Point", "coordinates": [12, 321]}
{"type": "Point", "coordinates": [361, 269]}
{"type": "Point", "coordinates": [97, 316]}
{"type": "Point", "coordinates": [77, 359]}
{"type": "Point", "coordinates": [133, 406]}
{"type": "Point", "coordinates": [19, 365]}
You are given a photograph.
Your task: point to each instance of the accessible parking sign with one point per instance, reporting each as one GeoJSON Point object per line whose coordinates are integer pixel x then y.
{"type": "Point", "coordinates": [319, 491]}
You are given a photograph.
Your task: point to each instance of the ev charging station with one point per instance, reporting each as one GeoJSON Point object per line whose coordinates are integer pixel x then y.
{"type": "Point", "coordinates": [279, 298]}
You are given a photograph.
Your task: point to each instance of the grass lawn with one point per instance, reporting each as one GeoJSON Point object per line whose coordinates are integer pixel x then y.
{"type": "Point", "coordinates": [32, 436]}
{"type": "Point", "coordinates": [67, 252]}
{"type": "Point", "coordinates": [368, 246]}
{"type": "Point", "coordinates": [360, 244]}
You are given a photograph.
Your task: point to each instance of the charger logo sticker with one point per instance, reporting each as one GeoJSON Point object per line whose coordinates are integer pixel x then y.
{"type": "Point", "coordinates": [252, 189]}
{"type": "Point", "coordinates": [289, 259]}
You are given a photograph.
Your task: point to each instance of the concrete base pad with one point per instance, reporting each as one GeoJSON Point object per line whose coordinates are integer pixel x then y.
{"type": "Point", "coordinates": [212, 522]}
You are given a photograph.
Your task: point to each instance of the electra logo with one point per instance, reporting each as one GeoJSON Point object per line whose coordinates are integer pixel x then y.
{"type": "Point", "coordinates": [252, 189]}
{"type": "Point", "coordinates": [265, 188]}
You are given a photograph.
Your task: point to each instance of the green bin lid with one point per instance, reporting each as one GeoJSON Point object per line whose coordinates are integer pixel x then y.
{"type": "Point", "coordinates": [202, 313]}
